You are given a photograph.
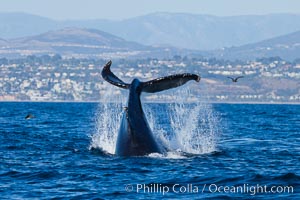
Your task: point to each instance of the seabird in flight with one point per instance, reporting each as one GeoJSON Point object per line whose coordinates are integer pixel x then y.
{"type": "Point", "coordinates": [235, 79]}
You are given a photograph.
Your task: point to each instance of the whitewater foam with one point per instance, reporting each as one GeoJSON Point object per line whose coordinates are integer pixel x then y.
{"type": "Point", "coordinates": [189, 127]}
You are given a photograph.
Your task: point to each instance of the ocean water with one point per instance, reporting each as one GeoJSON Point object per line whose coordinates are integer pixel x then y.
{"type": "Point", "coordinates": [217, 151]}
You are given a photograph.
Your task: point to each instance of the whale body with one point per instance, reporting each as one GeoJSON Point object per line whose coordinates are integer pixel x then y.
{"type": "Point", "coordinates": [135, 137]}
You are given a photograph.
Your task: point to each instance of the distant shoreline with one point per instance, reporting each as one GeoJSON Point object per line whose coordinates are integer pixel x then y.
{"type": "Point", "coordinates": [163, 102]}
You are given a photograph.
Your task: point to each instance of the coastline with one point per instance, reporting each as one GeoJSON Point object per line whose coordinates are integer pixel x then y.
{"type": "Point", "coordinates": [161, 102]}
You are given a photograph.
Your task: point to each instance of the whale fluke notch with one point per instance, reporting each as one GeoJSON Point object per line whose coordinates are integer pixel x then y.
{"type": "Point", "coordinates": [135, 137]}
{"type": "Point", "coordinates": [112, 78]}
{"type": "Point", "coordinates": [168, 82]}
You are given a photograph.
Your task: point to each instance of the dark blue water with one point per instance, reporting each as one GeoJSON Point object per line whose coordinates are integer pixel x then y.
{"type": "Point", "coordinates": [48, 157]}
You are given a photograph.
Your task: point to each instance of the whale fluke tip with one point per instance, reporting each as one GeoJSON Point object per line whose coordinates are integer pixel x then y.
{"type": "Point", "coordinates": [107, 65]}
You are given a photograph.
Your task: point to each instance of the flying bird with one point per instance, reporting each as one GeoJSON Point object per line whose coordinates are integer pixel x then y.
{"type": "Point", "coordinates": [235, 79]}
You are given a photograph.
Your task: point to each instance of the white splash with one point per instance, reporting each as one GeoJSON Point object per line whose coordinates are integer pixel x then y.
{"type": "Point", "coordinates": [193, 127]}
{"type": "Point", "coordinates": [108, 119]}
{"type": "Point", "coordinates": [189, 128]}
{"type": "Point", "coordinates": [169, 155]}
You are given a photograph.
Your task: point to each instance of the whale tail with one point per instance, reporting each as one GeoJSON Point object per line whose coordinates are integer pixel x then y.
{"type": "Point", "coordinates": [155, 85]}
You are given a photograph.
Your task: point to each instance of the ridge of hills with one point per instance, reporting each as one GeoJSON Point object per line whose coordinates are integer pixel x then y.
{"type": "Point", "coordinates": [181, 30]}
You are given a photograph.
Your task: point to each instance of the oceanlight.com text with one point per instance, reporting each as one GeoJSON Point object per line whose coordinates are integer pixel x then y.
{"type": "Point", "coordinates": [158, 188]}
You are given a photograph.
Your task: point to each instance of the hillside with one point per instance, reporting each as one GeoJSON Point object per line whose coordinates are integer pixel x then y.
{"type": "Point", "coordinates": [201, 32]}
{"type": "Point", "coordinates": [285, 46]}
{"type": "Point", "coordinates": [72, 42]}
{"type": "Point", "coordinates": [84, 43]}
{"type": "Point", "coordinates": [53, 78]}
{"type": "Point", "coordinates": [13, 25]}
{"type": "Point", "coordinates": [2, 42]}
{"type": "Point", "coordinates": [78, 36]}
{"type": "Point", "coordinates": [92, 43]}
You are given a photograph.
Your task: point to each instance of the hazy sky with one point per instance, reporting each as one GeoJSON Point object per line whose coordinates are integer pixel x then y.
{"type": "Point", "coordinates": [122, 9]}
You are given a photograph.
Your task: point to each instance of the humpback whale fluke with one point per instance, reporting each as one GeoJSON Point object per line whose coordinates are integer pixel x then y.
{"type": "Point", "coordinates": [235, 79]}
{"type": "Point", "coordinates": [135, 137]}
